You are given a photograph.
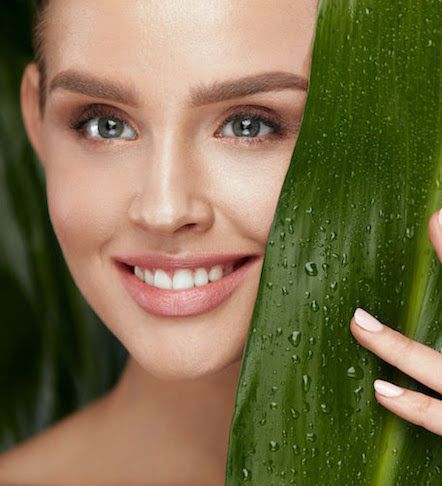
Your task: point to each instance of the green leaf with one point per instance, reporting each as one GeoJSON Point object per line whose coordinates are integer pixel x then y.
{"type": "Point", "coordinates": [350, 230]}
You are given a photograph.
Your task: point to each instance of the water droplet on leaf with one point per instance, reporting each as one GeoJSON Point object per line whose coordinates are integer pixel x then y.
{"type": "Point", "coordinates": [311, 269]}
{"type": "Point", "coordinates": [295, 338]}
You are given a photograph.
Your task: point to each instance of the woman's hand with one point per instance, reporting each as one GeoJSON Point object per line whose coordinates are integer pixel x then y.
{"type": "Point", "coordinates": [413, 358]}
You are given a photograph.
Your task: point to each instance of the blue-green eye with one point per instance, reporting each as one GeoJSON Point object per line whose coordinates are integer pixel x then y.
{"type": "Point", "coordinates": [251, 126]}
{"type": "Point", "coordinates": [101, 123]}
{"type": "Point", "coordinates": [247, 127]}
{"type": "Point", "coordinates": [105, 127]}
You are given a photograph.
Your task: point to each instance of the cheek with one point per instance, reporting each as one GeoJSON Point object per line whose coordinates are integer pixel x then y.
{"type": "Point", "coordinates": [83, 210]}
{"type": "Point", "coordinates": [270, 189]}
{"type": "Point", "coordinates": [254, 194]}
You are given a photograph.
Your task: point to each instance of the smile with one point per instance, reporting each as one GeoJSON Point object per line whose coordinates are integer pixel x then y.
{"type": "Point", "coordinates": [186, 278]}
{"type": "Point", "coordinates": [183, 291]}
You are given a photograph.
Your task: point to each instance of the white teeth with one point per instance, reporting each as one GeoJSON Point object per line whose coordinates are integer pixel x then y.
{"type": "Point", "coordinates": [139, 273]}
{"type": "Point", "coordinates": [201, 277]}
{"type": "Point", "coordinates": [162, 280]}
{"type": "Point", "coordinates": [216, 273]}
{"type": "Point", "coordinates": [182, 279]}
{"type": "Point", "coordinates": [148, 277]}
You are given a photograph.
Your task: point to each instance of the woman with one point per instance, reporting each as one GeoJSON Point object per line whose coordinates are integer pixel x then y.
{"type": "Point", "coordinates": [161, 129]}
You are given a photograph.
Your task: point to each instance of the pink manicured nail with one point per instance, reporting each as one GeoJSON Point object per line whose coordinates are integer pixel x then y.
{"type": "Point", "coordinates": [367, 321]}
{"type": "Point", "coordinates": [387, 389]}
{"type": "Point", "coordinates": [440, 218]}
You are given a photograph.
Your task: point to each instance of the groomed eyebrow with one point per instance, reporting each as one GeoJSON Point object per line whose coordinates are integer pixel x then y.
{"type": "Point", "coordinates": [248, 85]}
{"type": "Point", "coordinates": [90, 85]}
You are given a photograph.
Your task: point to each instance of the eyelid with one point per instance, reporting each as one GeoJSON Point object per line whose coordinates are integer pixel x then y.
{"type": "Point", "coordinates": [257, 110]}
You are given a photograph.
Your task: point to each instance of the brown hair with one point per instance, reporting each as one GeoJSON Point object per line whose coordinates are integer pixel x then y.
{"type": "Point", "coordinates": [38, 43]}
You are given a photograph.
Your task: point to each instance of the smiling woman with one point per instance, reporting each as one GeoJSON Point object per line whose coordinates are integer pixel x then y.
{"type": "Point", "coordinates": [165, 134]}
{"type": "Point", "coordinates": [160, 131]}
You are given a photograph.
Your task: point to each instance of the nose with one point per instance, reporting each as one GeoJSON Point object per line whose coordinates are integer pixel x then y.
{"type": "Point", "coordinates": [172, 195]}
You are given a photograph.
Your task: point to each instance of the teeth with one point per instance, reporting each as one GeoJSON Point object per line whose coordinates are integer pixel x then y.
{"type": "Point", "coordinates": [201, 277]}
{"type": "Point", "coordinates": [139, 273]}
{"type": "Point", "coordinates": [148, 277]}
{"type": "Point", "coordinates": [162, 280]}
{"type": "Point", "coordinates": [183, 278]}
{"type": "Point", "coordinates": [216, 273]}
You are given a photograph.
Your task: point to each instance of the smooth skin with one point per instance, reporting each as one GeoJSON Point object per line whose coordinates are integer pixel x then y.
{"type": "Point", "coordinates": [178, 180]}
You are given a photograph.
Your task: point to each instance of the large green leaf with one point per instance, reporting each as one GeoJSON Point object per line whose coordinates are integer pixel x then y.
{"type": "Point", "coordinates": [350, 230]}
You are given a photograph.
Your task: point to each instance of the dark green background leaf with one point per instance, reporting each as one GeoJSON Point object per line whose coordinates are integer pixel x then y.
{"type": "Point", "coordinates": [55, 354]}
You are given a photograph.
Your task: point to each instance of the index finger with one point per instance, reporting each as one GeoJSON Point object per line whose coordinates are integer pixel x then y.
{"type": "Point", "coordinates": [413, 358]}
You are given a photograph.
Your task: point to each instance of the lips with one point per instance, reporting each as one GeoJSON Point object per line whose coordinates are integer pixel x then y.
{"type": "Point", "coordinates": [186, 302]}
{"type": "Point", "coordinates": [170, 262]}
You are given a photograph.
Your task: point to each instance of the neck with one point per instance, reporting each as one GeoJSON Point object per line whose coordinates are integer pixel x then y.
{"type": "Point", "coordinates": [187, 422]}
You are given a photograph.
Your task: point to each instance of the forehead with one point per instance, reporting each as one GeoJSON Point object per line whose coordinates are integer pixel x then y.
{"type": "Point", "coordinates": [173, 43]}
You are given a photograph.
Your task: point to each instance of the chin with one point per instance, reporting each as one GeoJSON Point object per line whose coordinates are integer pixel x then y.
{"type": "Point", "coordinates": [192, 359]}
{"type": "Point", "coordinates": [196, 347]}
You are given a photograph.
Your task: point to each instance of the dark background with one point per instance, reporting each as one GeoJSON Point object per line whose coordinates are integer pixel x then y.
{"type": "Point", "coordinates": [55, 354]}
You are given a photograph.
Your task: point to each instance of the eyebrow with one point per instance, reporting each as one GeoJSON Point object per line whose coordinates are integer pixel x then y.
{"type": "Point", "coordinates": [90, 85]}
{"type": "Point", "coordinates": [248, 85]}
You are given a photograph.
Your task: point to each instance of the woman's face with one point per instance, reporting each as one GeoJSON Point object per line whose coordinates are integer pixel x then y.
{"type": "Point", "coordinates": [167, 164]}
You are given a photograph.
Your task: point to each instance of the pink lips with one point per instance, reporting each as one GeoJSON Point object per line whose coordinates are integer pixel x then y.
{"type": "Point", "coordinates": [170, 262]}
{"type": "Point", "coordinates": [187, 302]}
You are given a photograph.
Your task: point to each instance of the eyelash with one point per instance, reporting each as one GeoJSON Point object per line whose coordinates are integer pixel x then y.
{"type": "Point", "coordinates": [102, 111]}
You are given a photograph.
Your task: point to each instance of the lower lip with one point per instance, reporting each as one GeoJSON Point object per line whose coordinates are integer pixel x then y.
{"type": "Point", "coordinates": [189, 302]}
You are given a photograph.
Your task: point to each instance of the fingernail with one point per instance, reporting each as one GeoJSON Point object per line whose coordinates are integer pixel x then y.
{"type": "Point", "coordinates": [440, 218]}
{"type": "Point", "coordinates": [387, 389]}
{"type": "Point", "coordinates": [367, 321]}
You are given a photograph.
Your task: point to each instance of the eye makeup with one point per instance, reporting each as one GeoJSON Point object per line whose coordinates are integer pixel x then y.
{"type": "Point", "coordinates": [281, 129]}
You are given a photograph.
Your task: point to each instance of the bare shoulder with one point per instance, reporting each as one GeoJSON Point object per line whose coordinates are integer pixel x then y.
{"type": "Point", "coordinates": [54, 451]}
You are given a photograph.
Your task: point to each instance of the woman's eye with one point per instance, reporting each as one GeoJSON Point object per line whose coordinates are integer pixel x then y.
{"type": "Point", "coordinates": [102, 123]}
{"type": "Point", "coordinates": [250, 128]}
{"type": "Point", "coordinates": [106, 127]}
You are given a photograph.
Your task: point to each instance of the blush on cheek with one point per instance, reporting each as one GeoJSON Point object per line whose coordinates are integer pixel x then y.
{"type": "Point", "coordinates": [81, 219]}
{"type": "Point", "coordinates": [83, 224]}
{"type": "Point", "coordinates": [66, 210]}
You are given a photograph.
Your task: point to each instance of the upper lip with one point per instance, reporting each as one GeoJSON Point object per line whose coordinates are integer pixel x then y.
{"type": "Point", "coordinates": [170, 262]}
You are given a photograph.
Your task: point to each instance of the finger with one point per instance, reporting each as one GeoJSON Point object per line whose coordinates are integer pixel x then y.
{"type": "Point", "coordinates": [418, 408]}
{"type": "Point", "coordinates": [413, 358]}
{"type": "Point", "coordinates": [435, 232]}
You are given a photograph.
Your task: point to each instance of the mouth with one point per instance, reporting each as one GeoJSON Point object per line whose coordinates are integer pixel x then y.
{"type": "Point", "coordinates": [185, 278]}
{"type": "Point", "coordinates": [202, 291]}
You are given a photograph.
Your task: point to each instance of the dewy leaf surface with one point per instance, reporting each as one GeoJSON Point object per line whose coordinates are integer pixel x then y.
{"type": "Point", "coordinates": [350, 230]}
